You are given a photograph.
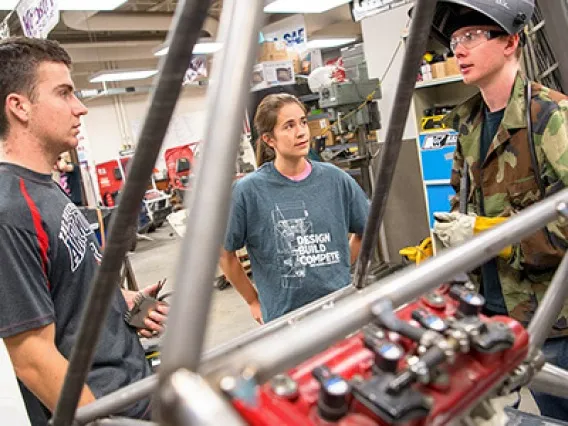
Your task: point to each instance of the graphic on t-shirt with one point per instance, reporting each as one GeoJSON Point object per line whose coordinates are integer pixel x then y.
{"type": "Point", "coordinates": [74, 233]}
{"type": "Point", "coordinates": [298, 246]}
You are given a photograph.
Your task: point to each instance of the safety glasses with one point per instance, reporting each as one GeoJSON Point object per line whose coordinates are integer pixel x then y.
{"type": "Point", "coordinates": [472, 39]}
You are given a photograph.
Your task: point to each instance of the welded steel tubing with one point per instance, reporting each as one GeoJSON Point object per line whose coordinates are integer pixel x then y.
{"type": "Point", "coordinates": [116, 401]}
{"type": "Point", "coordinates": [210, 200]}
{"type": "Point", "coordinates": [188, 21]}
{"type": "Point", "coordinates": [422, 17]}
{"type": "Point", "coordinates": [189, 400]}
{"type": "Point", "coordinates": [551, 380]}
{"type": "Point", "coordinates": [288, 346]}
{"type": "Point", "coordinates": [549, 308]}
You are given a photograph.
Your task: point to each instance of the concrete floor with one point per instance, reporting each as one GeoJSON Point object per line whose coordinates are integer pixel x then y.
{"type": "Point", "coordinates": [229, 316]}
{"type": "Point", "coordinates": [157, 259]}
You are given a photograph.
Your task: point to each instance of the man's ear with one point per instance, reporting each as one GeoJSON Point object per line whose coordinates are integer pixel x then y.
{"type": "Point", "coordinates": [512, 44]}
{"type": "Point", "coordinates": [18, 106]}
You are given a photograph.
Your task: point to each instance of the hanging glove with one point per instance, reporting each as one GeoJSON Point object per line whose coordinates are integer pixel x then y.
{"type": "Point", "coordinates": [454, 228]}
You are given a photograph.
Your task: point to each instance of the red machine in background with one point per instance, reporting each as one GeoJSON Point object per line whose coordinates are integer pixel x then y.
{"type": "Point", "coordinates": [428, 363]}
{"type": "Point", "coordinates": [156, 204]}
{"type": "Point", "coordinates": [179, 164]}
{"type": "Point", "coordinates": [110, 176]}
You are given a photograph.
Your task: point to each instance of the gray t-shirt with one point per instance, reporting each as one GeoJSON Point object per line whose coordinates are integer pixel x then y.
{"type": "Point", "coordinates": [48, 257]}
{"type": "Point", "coordinates": [296, 233]}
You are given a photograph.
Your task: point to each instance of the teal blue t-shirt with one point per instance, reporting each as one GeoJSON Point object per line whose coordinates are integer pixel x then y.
{"type": "Point", "coordinates": [296, 233]}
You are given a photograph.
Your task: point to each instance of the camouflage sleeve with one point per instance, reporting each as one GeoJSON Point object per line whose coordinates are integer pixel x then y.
{"type": "Point", "coordinates": [554, 146]}
{"type": "Point", "coordinates": [455, 178]}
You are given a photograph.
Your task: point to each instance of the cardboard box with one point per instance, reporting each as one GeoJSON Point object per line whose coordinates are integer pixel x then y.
{"type": "Point", "coordinates": [452, 67]}
{"type": "Point", "coordinates": [269, 74]}
{"type": "Point", "coordinates": [318, 128]}
{"type": "Point", "coordinates": [271, 51]}
{"type": "Point", "coordinates": [295, 58]}
{"type": "Point", "coordinates": [438, 69]}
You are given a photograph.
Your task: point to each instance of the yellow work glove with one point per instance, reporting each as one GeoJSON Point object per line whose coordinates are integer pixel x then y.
{"type": "Point", "coordinates": [452, 229]}
{"type": "Point", "coordinates": [482, 223]}
{"type": "Point", "coordinates": [420, 252]}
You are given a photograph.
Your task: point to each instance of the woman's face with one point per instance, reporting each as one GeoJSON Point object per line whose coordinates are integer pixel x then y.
{"type": "Point", "coordinates": [291, 135]}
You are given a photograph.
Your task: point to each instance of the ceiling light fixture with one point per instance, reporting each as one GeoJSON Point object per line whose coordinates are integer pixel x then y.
{"type": "Point", "coordinates": [72, 4]}
{"type": "Point", "coordinates": [329, 42]}
{"type": "Point", "coordinates": [121, 75]}
{"type": "Point", "coordinates": [303, 6]}
{"type": "Point", "coordinates": [198, 49]}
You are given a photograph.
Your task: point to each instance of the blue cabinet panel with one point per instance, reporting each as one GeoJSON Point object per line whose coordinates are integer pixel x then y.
{"type": "Point", "coordinates": [438, 199]}
{"type": "Point", "coordinates": [437, 153]}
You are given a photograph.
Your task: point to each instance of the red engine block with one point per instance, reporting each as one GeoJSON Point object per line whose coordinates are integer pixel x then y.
{"type": "Point", "coordinates": [461, 385]}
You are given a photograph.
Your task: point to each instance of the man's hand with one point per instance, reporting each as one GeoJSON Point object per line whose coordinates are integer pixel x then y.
{"type": "Point", "coordinates": [452, 229]}
{"type": "Point", "coordinates": [256, 311]}
{"type": "Point", "coordinates": [156, 318]}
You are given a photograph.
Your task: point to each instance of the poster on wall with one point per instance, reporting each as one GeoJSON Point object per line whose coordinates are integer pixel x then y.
{"type": "Point", "coordinates": [38, 17]}
{"type": "Point", "coordinates": [197, 70]}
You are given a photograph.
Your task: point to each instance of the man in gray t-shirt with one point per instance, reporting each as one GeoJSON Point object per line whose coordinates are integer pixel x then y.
{"type": "Point", "coordinates": [296, 233]}
{"type": "Point", "coordinates": [49, 256]}
{"type": "Point", "coordinates": [48, 253]}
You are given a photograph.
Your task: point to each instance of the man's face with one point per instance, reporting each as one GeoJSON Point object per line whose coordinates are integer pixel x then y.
{"type": "Point", "coordinates": [55, 110]}
{"type": "Point", "coordinates": [480, 55]}
{"type": "Point", "coordinates": [291, 133]}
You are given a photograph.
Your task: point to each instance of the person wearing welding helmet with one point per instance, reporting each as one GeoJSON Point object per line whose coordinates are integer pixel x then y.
{"type": "Point", "coordinates": [513, 136]}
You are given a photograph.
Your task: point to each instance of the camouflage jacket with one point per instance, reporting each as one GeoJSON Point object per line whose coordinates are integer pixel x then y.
{"type": "Point", "coordinates": [508, 184]}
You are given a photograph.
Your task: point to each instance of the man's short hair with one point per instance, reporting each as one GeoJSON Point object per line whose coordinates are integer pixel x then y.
{"type": "Point", "coordinates": [19, 59]}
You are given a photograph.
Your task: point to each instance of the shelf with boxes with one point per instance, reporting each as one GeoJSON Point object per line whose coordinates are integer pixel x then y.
{"type": "Point", "coordinates": [439, 88]}
{"type": "Point", "coordinates": [278, 65]}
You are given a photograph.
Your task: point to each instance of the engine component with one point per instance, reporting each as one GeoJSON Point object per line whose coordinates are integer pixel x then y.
{"type": "Point", "coordinates": [429, 362]}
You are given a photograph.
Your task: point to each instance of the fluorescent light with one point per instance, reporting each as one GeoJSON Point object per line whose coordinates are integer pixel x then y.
{"type": "Point", "coordinates": [198, 49]}
{"type": "Point", "coordinates": [121, 75]}
{"type": "Point", "coordinates": [72, 4]}
{"type": "Point", "coordinates": [329, 42]}
{"type": "Point", "coordinates": [302, 6]}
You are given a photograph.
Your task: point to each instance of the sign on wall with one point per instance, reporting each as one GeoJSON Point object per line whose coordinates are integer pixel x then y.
{"type": "Point", "coordinates": [290, 30]}
{"type": "Point", "coordinates": [361, 9]}
{"type": "Point", "coordinates": [38, 17]}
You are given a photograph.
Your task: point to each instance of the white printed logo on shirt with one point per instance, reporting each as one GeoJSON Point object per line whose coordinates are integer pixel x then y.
{"type": "Point", "coordinates": [298, 246]}
{"type": "Point", "coordinates": [74, 233]}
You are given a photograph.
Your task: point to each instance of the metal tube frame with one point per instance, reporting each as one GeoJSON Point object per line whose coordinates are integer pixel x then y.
{"type": "Point", "coordinates": [551, 380]}
{"type": "Point", "coordinates": [187, 399]}
{"type": "Point", "coordinates": [117, 401]}
{"type": "Point", "coordinates": [187, 25]}
{"type": "Point", "coordinates": [284, 343]}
